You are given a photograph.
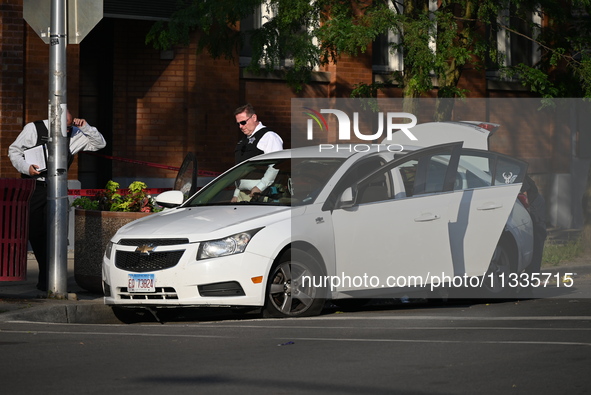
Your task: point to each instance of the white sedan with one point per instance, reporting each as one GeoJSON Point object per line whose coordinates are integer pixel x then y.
{"type": "Point", "coordinates": [331, 222]}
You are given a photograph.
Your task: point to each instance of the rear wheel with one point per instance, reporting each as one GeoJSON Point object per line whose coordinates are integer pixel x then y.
{"type": "Point", "coordinates": [290, 289]}
{"type": "Point", "coordinates": [497, 277]}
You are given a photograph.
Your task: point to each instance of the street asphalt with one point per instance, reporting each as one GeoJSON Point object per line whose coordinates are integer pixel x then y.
{"type": "Point", "coordinates": [21, 301]}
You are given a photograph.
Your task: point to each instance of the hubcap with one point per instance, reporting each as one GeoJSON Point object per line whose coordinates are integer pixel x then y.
{"type": "Point", "coordinates": [287, 292]}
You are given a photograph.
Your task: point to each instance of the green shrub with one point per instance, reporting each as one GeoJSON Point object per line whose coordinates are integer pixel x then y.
{"type": "Point", "coordinates": [109, 199]}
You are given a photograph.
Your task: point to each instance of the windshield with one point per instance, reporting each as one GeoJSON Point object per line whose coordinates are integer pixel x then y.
{"type": "Point", "coordinates": [284, 182]}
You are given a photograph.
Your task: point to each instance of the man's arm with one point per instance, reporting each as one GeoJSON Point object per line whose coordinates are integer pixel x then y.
{"type": "Point", "coordinates": [87, 139]}
{"type": "Point", "coordinates": [266, 181]}
{"type": "Point", "coordinates": [26, 139]}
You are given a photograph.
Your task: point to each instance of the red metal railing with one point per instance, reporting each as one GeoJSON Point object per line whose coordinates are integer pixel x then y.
{"type": "Point", "coordinates": [15, 194]}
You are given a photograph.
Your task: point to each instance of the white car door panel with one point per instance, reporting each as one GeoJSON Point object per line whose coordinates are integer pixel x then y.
{"type": "Point", "coordinates": [389, 244]}
{"type": "Point", "coordinates": [394, 241]}
{"type": "Point", "coordinates": [440, 229]}
{"type": "Point", "coordinates": [474, 233]}
{"type": "Point", "coordinates": [490, 185]}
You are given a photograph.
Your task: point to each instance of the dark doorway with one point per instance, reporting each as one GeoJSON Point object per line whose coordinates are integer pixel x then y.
{"type": "Point", "coordinates": [96, 101]}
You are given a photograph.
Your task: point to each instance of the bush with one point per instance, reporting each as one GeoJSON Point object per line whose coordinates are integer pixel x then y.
{"type": "Point", "coordinates": [110, 199]}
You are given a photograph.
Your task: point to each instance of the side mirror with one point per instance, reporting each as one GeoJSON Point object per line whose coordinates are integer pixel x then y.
{"type": "Point", "coordinates": [347, 198]}
{"type": "Point", "coordinates": [170, 199]}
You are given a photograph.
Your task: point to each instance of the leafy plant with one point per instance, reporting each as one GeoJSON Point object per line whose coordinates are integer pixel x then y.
{"type": "Point", "coordinates": [110, 199]}
{"type": "Point", "coordinates": [555, 253]}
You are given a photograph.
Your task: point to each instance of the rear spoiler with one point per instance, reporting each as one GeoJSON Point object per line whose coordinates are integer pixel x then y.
{"type": "Point", "coordinates": [491, 127]}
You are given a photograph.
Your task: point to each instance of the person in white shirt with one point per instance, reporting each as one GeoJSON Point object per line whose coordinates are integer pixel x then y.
{"type": "Point", "coordinates": [258, 139]}
{"type": "Point", "coordinates": [82, 137]}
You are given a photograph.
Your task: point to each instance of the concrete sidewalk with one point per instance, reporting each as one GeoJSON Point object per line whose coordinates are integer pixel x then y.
{"type": "Point", "coordinates": [21, 301]}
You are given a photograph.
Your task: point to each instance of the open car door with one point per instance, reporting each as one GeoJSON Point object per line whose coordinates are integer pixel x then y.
{"type": "Point", "coordinates": [486, 189]}
{"type": "Point", "coordinates": [396, 225]}
{"type": "Point", "coordinates": [427, 216]}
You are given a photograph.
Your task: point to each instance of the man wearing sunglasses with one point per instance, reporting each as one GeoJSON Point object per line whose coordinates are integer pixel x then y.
{"type": "Point", "coordinates": [257, 138]}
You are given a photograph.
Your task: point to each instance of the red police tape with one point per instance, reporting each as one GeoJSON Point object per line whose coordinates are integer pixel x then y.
{"type": "Point", "coordinates": [125, 191]}
{"type": "Point", "coordinates": [200, 173]}
{"type": "Point", "coordinates": [150, 191]}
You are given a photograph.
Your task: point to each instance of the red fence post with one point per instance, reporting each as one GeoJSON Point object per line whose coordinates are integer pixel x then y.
{"type": "Point", "coordinates": [15, 194]}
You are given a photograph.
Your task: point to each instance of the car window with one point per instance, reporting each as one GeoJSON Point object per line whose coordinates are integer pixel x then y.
{"type": "Point", "coordinates": [424, 175]}
{"type": "Point", "coordinates": [374, 191]}
{"type": "Point", "coordinates": [408, 172]}
{"type": "Point", "coordinates": [405, 176]}
{"type": "Point", "coordinates": [484, 169]}
{"type": "Point", "coordinates": [509, 171]}
{"type": "Point", "coordinates": [309, 176]}
{"type": "Point", "coordinates": [281, 181]}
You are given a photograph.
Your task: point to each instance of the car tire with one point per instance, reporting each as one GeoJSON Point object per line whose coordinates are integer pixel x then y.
{"type": "Point", "coordinates": [496, 280]}
{"type": "Point", "coordinates": [287, 295]}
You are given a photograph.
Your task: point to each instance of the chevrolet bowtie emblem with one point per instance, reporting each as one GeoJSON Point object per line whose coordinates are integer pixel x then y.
{"type": "Point", "coordinates": [145, 249]}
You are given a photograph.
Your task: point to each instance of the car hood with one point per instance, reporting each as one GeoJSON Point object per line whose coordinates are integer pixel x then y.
{"type": "Point", "coordinates": [203, 223]}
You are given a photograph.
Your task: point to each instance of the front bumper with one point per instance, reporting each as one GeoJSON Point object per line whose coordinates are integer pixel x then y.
{"type": "Point", "coordinates": [234, 280]}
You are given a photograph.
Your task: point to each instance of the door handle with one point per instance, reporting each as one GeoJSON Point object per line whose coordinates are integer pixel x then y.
{"type": "Point", "coordinates": [490, 206]}
{"type": "Point", "coordinates": [427, 217]}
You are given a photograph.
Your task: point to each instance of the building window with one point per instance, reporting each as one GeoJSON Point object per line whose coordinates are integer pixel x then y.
{"type": "Point", "coordinates": [513, 41]}
{"type": "Point", "coordinates": [263, 13]}
{"type": "Point", "coordinates": [387, 57]}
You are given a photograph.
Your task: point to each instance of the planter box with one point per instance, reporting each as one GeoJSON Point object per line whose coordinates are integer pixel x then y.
{"type": "Point", "coordinates": [93, 230]}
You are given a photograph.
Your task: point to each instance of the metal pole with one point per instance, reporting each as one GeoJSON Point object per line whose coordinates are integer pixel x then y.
{"type": "Point", "coordinates": [57, 188]}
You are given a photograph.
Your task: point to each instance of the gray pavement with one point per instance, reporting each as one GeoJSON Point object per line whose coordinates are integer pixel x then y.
{"type": "Point", "coordinates": [21, 301]}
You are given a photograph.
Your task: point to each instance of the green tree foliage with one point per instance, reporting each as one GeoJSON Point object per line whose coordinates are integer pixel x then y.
{"type": "Point", "coordinates": [438, 43]}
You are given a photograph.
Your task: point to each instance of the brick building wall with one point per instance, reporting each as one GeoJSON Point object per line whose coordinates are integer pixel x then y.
{"type": "Point", "coordinates": [162, 107]}
{"type": "Point", "coordinates": [24, 80]}
{"type": "Point", "coordinates": [150, 114]}
{"type": "Point", "coordinates": [165, 107]}
{"type": "Point", "coordinates": [12, 55]}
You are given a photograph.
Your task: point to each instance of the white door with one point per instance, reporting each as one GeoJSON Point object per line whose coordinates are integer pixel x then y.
{"type": "Point", "coordinates": [426, 217]}
{"type": "Point", "coordinates": [486, 190]}
{"type": "Point", "coordinates": [396, 233]}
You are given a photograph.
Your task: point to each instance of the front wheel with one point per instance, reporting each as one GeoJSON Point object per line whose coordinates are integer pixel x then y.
{"type": "Point", "coordinates": [290, 289]}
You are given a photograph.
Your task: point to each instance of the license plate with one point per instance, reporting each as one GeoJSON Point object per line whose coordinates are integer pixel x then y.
{"type": "Point", "coordinates": [141, 283]}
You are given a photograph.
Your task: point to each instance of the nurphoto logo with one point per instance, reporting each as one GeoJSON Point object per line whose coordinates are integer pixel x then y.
{"type": "Point", "coordinates": [344, 124]}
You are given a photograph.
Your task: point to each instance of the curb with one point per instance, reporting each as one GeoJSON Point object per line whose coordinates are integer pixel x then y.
{"type": "Point", "coordinates": [64, 314]}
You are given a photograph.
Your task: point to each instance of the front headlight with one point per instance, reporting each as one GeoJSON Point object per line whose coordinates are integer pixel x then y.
{"type": "Point", "coordinates": [109, 249]}
{"type": "Point", "coordinates": [230, 245]}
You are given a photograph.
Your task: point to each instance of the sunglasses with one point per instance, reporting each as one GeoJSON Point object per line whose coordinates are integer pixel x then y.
{"type": "Point", "coordinates": [242, 123]}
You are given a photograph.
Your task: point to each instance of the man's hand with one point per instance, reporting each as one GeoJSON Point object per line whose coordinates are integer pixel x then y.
{"type": "Point", "coordinates": [253, 191]}
{"type": "Point", "coordinates": [33, 170]}
{"type": "Point", "coordinates": [78, 122]}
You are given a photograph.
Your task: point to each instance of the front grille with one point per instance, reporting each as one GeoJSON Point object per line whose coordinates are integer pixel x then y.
{"type": "Point", "coordinates": [162, 293]}
{"type": "Point", "coordinates": [139, 263]}
{"type": "Point", "coordinates": [154, 242]}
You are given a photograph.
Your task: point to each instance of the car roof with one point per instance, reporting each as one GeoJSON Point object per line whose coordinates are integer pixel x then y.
{"type": "Point", "coordinates": [335, 151]}
{"type": "Point", "coordinates": [314, 151]}
{"type": "Point", "coordinates": [473, 134]}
